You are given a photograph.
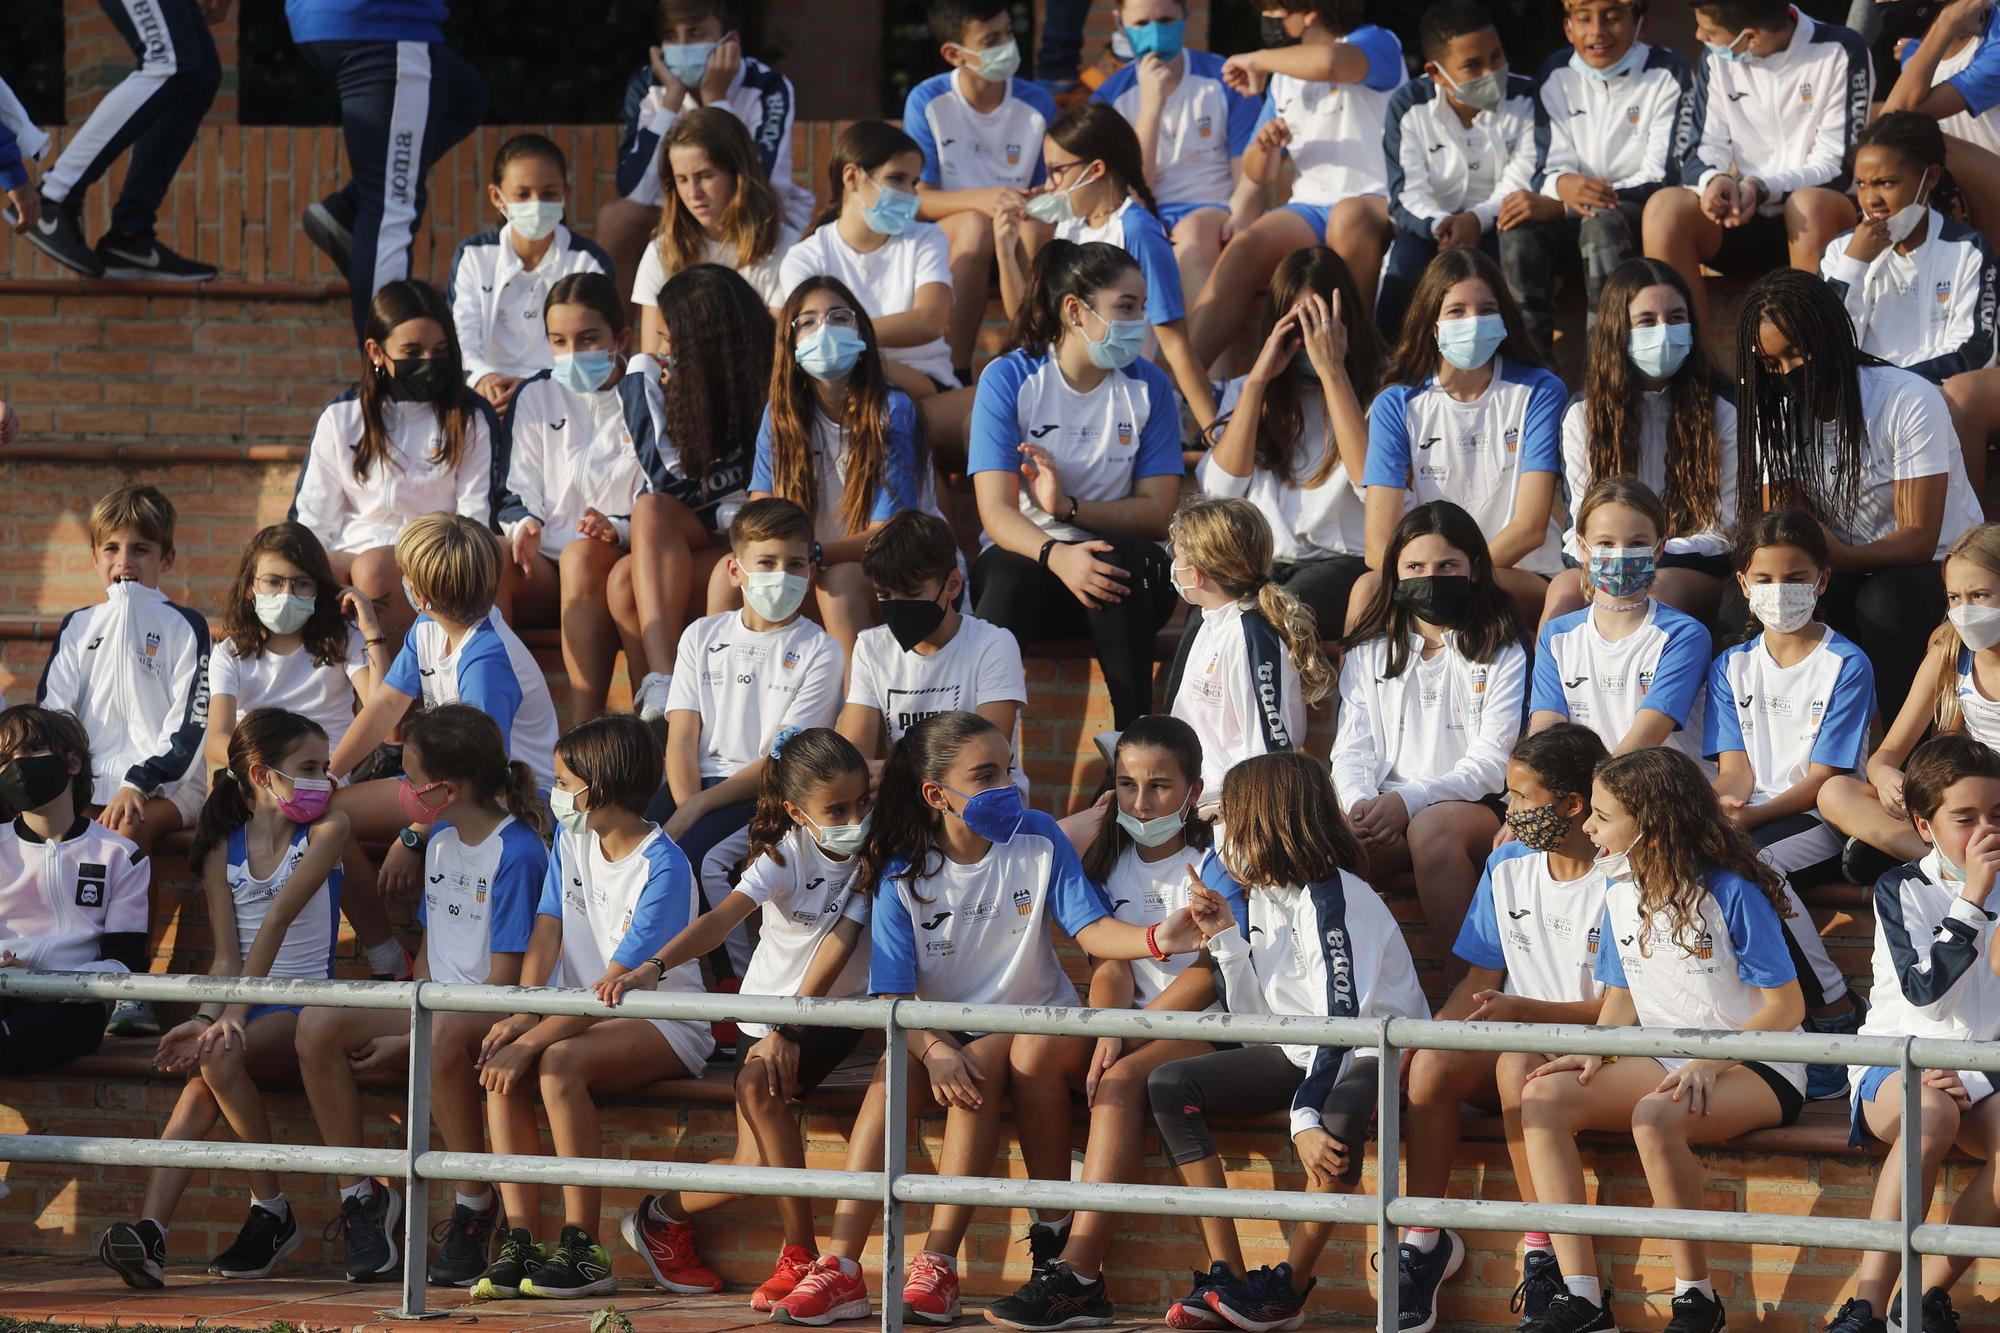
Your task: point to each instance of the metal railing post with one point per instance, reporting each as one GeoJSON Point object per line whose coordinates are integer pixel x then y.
{"type": "Point", "coordinates": [1913, 1189]}
{"type": "Point", "coordinates": [1388, 1158]}
{"type": "Point", "coordinates": [417, 1136]}
{"type": "Point", "coordinates": [895, 1161]}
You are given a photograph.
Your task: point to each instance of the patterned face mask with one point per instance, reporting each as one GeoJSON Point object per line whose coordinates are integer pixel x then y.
{"type": "Point", "coordinates": [1540, 829]}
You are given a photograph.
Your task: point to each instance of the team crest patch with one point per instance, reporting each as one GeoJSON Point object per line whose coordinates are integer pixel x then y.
{"type": "Point", "coordinates": [1205, 127]}
{"type": "Point", "coordinates": [1511, 438]}
{"type": "Point", "coordinates": [791, 660]}
{"type": "Point", "coordinates": [1704, 948]}
{"type": "Point", "coordinates": [90, 881]}
{"type": "Point", "coordinates": [152, 644]}
{"type": "Point", "coordinates": [1645, 683]}
{"type": "Point", "coordinates": [1024, 901]}
{"type": "Point", "coordinates": [479, 892]}
{"type": "Point", "coordinates": [1596, 933]}
{"type": "Point", "coordinates": [1479, 680]}
{"type": "Point", "coordinates": [1632, 114]}
{"type": "Point", "coordinates": [1942, 295]}
{"type": "Point", "coordinates": [1124, 432]}
{"type": "Point", "coordinates": [1805, 93]}
{"type": "Point", "coordinates": [1013, 155]}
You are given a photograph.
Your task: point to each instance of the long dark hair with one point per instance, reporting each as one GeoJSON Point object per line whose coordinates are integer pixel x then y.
{"type": "Point", "coordinates": [1314, 268]}
{"type": "Point", "coordinates": [398, 303]}
{"type": "Point", "coordinates": [325, 631]}
{"type": "Point", "coordinates": [262, 736]}
{"type": "Point", "coordinates": [1613, 391]}
{"type": "Point", "coordinates": [1096, 132]}
{"type": "Point", "coordinates": [807, 761]}
{"type": "Point", "coordinates": [459, 743]}
{"type": "Point", "coordinates": [1158, 731]}
{"type": "Point", "coordinates": [1807, 449]}
{"type": "Point", "coordinates": [1063, 269]}
{"type": "Point", "coordinates": [1491, 626]}
{"type": "Point", "coordinates": [1284, 825]}
{"type": "Point", "coordinates": [1415, 358]}
{"type": "Point", "coordinates": [906, 826]}
{"type": "Point", "coordinates": [723, 338]}
{"type": "Point", "coordinates": [866, 144]}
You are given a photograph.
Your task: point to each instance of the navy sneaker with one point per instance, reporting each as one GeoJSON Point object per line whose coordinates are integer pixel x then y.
{"type": "Point", "coordinates": [144, 259]}
{"type": "Point", "coordinates": [264, 1239]}
{"type": "Point", "coordinates": [1824, 1082]}
{"type": "Point", "coordinates": [136, 1252]}
{"type": "Point", "coordinates": [1541, 1282]}
{"type": "Point", "coordinates": [1571, 1313]}
{"type": "Point", "coordinates": [1191, 1310]}
{"type": "Point", "coordinates": [1939, 1317]}
{"type": "Point", "coordinates": [1045, 1244]}
{"type": "Point", "coordinates": [1264, 1301]}
{"type": "Point", "coordinates": [1863, 863]}
{"type": "Point", "coordinates": [1419, 1274]}
{"type": "Point", "coordinates": [1696, 1313]}
{"type": "Point", "coordinates": [1054, 1298]}
{"type": "Point", "coordinates": [59, 235]}
{"type": "Point", "coordinates": [1856, 1316]}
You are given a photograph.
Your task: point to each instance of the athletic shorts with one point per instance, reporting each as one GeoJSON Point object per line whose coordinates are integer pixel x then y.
{"type": "Point", "coordinates": [820, 1052]}
{"type": "Point", "coordinates": [1171, 214]}
{"type": "Point", "coordinates": [1978, 1086]}
{"type": "Point", "coordinates": [1791, 1096]}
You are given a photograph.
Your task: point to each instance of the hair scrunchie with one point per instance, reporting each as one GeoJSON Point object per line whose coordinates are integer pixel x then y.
{"type": "Point", "coordinates": [782, 739]}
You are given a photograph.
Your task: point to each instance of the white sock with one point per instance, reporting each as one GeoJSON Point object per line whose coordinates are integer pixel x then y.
{"type": "Point", "coordinates": [847, 1266]}
{"type": "Point", "coordinates": [1055, 1223]}
{"type": "Point", "coordinates": [657, 1210]}
{"type": "Point", "coordinates": [275, 1205]}
{"type": "Point", "coordinates": [1421, 1239]}
{"type": "Point", "coordinates": [1537, 1242]}
{"type": "Point", "coordinates": [1589, 1288]}
{"type": "Point", "coordinates": [946, 1260]}
{"type": "Point", "coordinates": [478, 1203]}
{"type": "Point", "coordinates": [1705, 1287]}
{"type": "Point", "coordinates": [386, 956]}
{"type": "Point", "coordinates": [360, 1191]}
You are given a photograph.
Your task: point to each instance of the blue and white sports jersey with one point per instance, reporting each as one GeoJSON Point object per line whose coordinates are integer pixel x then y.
{"type": "Point", "coordinates": [1620, 130]}
{"type": "Point", "coordinates": [1440, 166]}
{"type": "Point", "coordinates": [307, 949]}
{"type": "Point", "coordinates": [1125, 429]}
{"type": "Point", "coordinates": [1787, 718]}
{"type": "Point", "coordinates": [1473, 454]}
{"type": "Point", "coordinates": [980, 933]}
{"type": "Point", "coordinates": [479, 898]}
{"type": "Point", "coordinates": [799, 904]}
{"type": "Point", "coordinates": [969, 149]}
{"type": "Point", "coordinates": [906, 471]}
{"type": "Point", "coordinates": [1932, 955]}
{"type": "Point", "coordinates": [1139, 234]}
{"type": "Point", "coordinates": [1145, 893]}
{"type": "Point", "coordinates": [1737, 949]}
{"type": "Point", "coordinates": [1601, 684]}
{"type": "Point", "coordinates": [1981, 714]}
{"type": "Point", "coordinates": [1204, 127]}
{"type": "Point", "coordinates": [1930, 311]}
{"type": "Point", "coordinates": [366, 20]}
{"type": "Point", "coordinates": [493, 671]}
{"type": "Point", "coordinates": [1337, 127]}
{"type": "Point", "coordinates": [1543, 932]}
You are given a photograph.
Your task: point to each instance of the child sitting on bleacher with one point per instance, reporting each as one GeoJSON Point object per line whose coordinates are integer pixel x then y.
{"type": "Point", "coordinates": [500, 278]}
{"type": "Point", "coordinates": [616, 891]}
{"type": "Point", "coordinates": [720, 210]}
{"type": "Point", "coordinates": [1936, 976]}
{"type": "Point", "coordinates": [134, 670]}
{"type": "Point", "coordinates": [1763, 175]}
{"type": "Point", "coordinates": [814, 810]}
{"type": "Point", "coordinates": [409, 438]}
{"type": "Point", "coordinates": [484, 866]}
{"type": "Point", "coordinates": [1610, 106]}
{"type": "Point", "coordinates": [929, 655]}
{"type": "Point", "coordinates": [74, 896]}
{"type": "Point", "coordinates": [268, 851]}
{"type": "Point", "coordinates": [740, 678]}
{"type": "Point", "coordinates": [1462, 153]}
{"type": "Point", "coordinates": [981, 130]}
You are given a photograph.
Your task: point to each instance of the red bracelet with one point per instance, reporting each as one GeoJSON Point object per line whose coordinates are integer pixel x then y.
{"type": "Point", "coordinates": [1153, 945]}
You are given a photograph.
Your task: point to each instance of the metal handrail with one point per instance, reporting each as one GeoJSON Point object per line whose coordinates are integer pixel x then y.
{"type": "Point", "coordinates": [1385, 1038]}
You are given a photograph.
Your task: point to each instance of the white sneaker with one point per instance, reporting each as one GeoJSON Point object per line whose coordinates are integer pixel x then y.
{"type": "Point", "coordinates": [651, 696]}
{"type": "Point", "coordinates": [133, 1018]}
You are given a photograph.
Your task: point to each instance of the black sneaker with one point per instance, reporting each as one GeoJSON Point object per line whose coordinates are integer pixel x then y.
{"type": "Point", "coordinates": [1541, 1282]}
{"type": "Point", "coordinates": [1863, 863]}
{"type": "Point", "coordinates": [1264, 1301]}
{"type": "Point", "coordinates": [59, 235]}
{"type": "Point", "coordinates": [579, 1267]}
{"type": "Point", "coordinates": [1045, 1244]}
{"type": "Point", "coordinates": [1571, 1313]}
{"type": "Point", "coordinates": [136, 1252]}
{"type": "Point", "coordinates": [264, 1239]}
{"type": "Point", "coordinates": [1856, 1316]}
{"type": "Point", "coordinates": [1054, 1298]}
{"type": "Point", "coordinates": [464, 1239]}
{"type": "Point", "coordinates": [367, 1228]}
{"type": "Point", "coordinates": [1696, 1313]}
{"type": "Point", "coordinates": [519, 1257]}
{"type": "Point", "coordinates": [1419, 1274]}
{"type": "Point", "coordinates": [144, 259]}
{"type": "Point", "coordinates": [1191, 1310]}
{"type": "Point", "coordinates": [1939, 1317]}
{"type": "Point", "coordinates": [326, 229]}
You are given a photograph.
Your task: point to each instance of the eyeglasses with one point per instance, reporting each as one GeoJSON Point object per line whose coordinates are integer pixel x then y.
{"type": "Point", "coordinates": [840, 317]}
{"type": "Point", "coordinates": [1057, 171]}
{"type": "Point", "coordinates": [273, 585]}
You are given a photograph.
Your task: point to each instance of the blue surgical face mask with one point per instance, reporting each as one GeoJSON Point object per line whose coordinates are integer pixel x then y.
{"type": "Point", "coordinates": [1484, 93]}
{"type": "Point", "coordinates": [1624, 65]}
{"type": "Point", "coordinates": [1658, 350]}
{"type": "Point", "coordinates": [829, 351]}
{"type": "Point", "coordinates": [582, 372]}
{"type": "Point", "coordinates": [281, 613]}
{"type": "Point", "coordinates": [1123, 341]}
{"type": "Point", "coordinates": [994, 814]}
{"type": "Point", "coordinates": [1056, 207]}
{"type": "Point", "coordinates": [1155, 832]}
{"type": "Point", "coordinates": [562, 804]}
{"type": "Point", "coordinates": [1471, 342]}
{"type": "Point", "coordinates": [892, 212]}
{"type": "Point", "coordinates": [688, 63]}
{"type": "Point", "coordinates": [1157, 39]}
{"type": "Point", "coordinates": [842, 840]}
{"type": "Point", "coordinates": [996, 64]}
{"type": "Point", "coordinates": [1622, 572]}
{"type": "Point", "coordinates": [1728, 50]}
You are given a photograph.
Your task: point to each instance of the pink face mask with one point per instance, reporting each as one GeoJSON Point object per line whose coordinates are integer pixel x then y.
{"type": "Point", "coordinates": [410, 800]}
{"type": "Point", "coordinates": [310, 797]}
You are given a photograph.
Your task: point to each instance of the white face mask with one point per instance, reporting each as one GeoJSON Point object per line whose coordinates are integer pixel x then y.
{"type": "Point", "coordinates": [533, 219]}
{"type": "Point", "coordinates": [1978, 626]}
{"type": "Point", "coordinates": [1616, 867]}
{"type": "Point", "coordinates": [1783, 607]}
{"type": "Point", "coordinates": [772, 593]}
{"type": "Point", "coordinates": [1904, 221]}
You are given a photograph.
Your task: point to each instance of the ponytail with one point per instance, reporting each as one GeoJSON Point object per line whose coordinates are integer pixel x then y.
{"type": "Point", "coordinates": [461, 744]}
{"type": "Point", "coordinates": [226, 810]}
{"type": "Point", "coordinates": [906, 828]}
{"type": "Point", "coordinates": [1096, 132]}
{"type": "Point", "coordinates": [1063, 269]}
{"type": "Point", "coordinates": [1299, 628]}
{"type": "Point", "coordinates": [521, 796]}
{"type": "Point", "coordinates": [1229, 541]}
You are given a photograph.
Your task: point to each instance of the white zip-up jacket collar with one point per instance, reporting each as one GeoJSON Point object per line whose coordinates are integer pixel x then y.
{"type": "Point", "coordinates": [496, 302]}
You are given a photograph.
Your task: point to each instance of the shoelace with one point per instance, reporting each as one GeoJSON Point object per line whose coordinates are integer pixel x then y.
{"type": "Point", "coordinates": [819, 1279]}
{"type": "Point", "coordinates": [350, 1213]}
{"type": "Point", "coordinates": [517, 1252]}
{"type": "Point", "coordinates": [793, 1267]}
{"type": "Point", "coordinates": [928, 1276]}
{"type": "Point", "coordinates": [1519, 1300]}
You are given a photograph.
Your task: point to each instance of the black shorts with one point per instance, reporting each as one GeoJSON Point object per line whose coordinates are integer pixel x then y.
{"type": "Point", "coordinates": [1756, 247]}
{"type": "Point", "coordinates": [820, 1052]}
{"type": "Point", "coordinates": [1790, 1100]}
{"type": "Point", "coordinates": [39, 1035]}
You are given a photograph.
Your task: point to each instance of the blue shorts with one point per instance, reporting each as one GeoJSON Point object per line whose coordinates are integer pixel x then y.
{"type": "Point", "coordinates": [1315, 217]}
{"type": "Point", "coordinates": [1871, 1082]}
{"type": "Point", "coordinates": [258, 1011]}
{"type": "Point", "coordinates": [1171, 214]}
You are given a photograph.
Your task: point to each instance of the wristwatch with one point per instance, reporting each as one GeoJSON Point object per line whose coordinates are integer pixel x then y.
{"type": "Point", "coordinates": [411, 839]}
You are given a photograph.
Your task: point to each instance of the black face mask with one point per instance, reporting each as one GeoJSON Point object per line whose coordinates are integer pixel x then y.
{"type": "Point", "coordinates": [32, 781]}
{"type": "Point", "coordinates": [419, 380]}
{"type": "Point", "coordinates": [911, 620]}
{"type": "Point", "coordinates": [1444, 600]}
{"type": "Point", "coordinates": [1271, 32]}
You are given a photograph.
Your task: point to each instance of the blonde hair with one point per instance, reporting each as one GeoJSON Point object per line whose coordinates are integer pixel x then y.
{"type": "Point", "coordinates": [452, 563]}
{"type": "Point", "coordinates": [1980, 545]}
{"type": "Point", "coordinates": [1228, 540]}
{"type": "Point", "coordinates": [143, 509]}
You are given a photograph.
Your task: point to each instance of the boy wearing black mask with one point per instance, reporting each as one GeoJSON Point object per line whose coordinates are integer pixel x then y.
{"type": "Point", "coordinates": [926, 656]}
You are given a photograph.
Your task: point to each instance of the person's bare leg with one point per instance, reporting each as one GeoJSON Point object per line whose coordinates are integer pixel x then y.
{"type": "Point", "coordinates": [665, 536]}
{"type": "Point", "coordinates": [1358, 597]}
{"type": "Point", "coordinates": [624, 608]}
{"type": "Point", "coordinates": [970, 238]}
{"type": "Point", "coordinates": [455, 1091]}
{"type": "Point", "coordinates": [1853, 807]}
{"type": "Point", "coordinates": [1565, 595]}
{"type": "Point", "coordinates": [194, 1118]}
{"type": "Point", "coordinates": [846, 603]}
{"type": "Point", "coordinates": [510, 1124]}
{"type": "Point", "coordinates": [945, 419]}
{"type": "Point", "coordinates": [1239, 277]}
{"type": "Point", "coordinates": [360, 900]}
{"type": "Point", "coordinates": [1554, 1109]}
{"type": "Point", "coordinates": [1218, 1234]}
{"type": "Point", "coordinates": [1689, 590]}
{"type": "Point", "coordinates": [1529, 591]}
{"type": "Point", "coordinates": [1665, 1130]}
{"type": "Point", "coordinates": [231, 1075]}
{"type": "Point", "coordinates": [379, 578]}
{"type": "Point", "coordinates": [1974, 398]}
{"type": "Point", "coordinates": [971, 1138]}
{"type": "Point", "coordinates": [617, 1055]}
{"type": "Point", "coordinates": [1041, 1073]}
{"type": "Point", "coordinates": [623, 228]}
{"type": "Point", "coordinates": [1813, 217]}
{"type": "Point", "coordinates": [1358, 231]}
{"type": "Point", "coordinates": [1197, 245]}
{"type": "Point", "coordinates": [1978, 1203]}
{"type": "Point", "coordinates": [529, 598]}
{"type": "Point", "coordinates": [1449, 843]}
{"type": "Point", "coordinates": [1440, 1081]}
{"type": "Point", "coordinates": [1674, 229]}
{"type": "Point", "coordinates": [1977, 171]}
{"type": "Point", "coordinates": [589, 634]}
{"type": "Point", "coordinates": [324, 1041]}
{"type": "Point", "coordinates": [1884, 1115]}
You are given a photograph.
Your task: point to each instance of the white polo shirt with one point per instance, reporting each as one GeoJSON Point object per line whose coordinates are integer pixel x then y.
{"type": "Point", "coordinates": [1337, 127]}
{"type": "Point", "coordinates": [800, 903]}
{"type": "Point", "coordinates": [746, 684]}
{"type": "Point", "coordinates": [1601, 684]}
{"type": "Point", "coordinates": [1785, 719]}
{"type": "Point", "coordinates": [479, 898]}
{"type": "Point", "coordinates": [1204, 127]}
{"type": "Point", "coordinates": [969, 149]}
{"type": "Point", "coordinates": [1543, 932]}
